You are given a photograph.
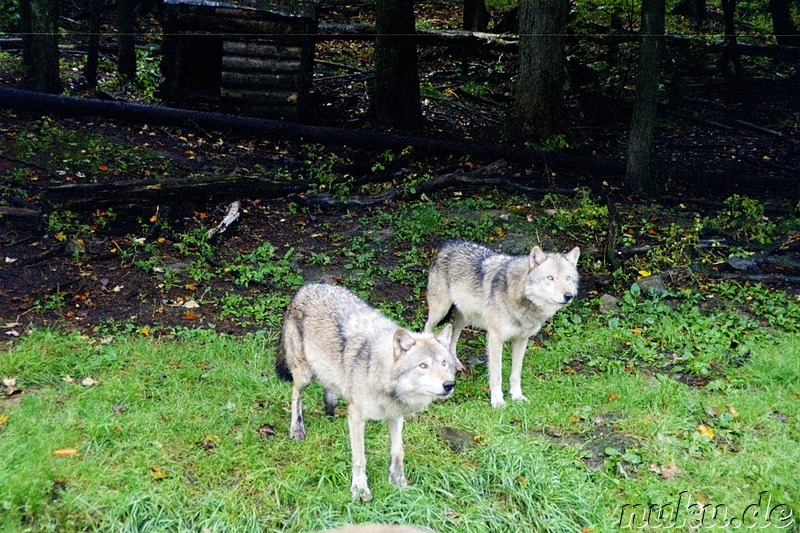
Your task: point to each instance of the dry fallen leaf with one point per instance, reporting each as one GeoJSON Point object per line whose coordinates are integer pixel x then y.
{"type": "Point", "coordinates": [210, 442]}
{"type": "Point", "coordinates": [3, 419]}
{"type": "Point", "coordinates": [705, 431]}
{"type": "Point", "coordinates": [89, 382]}
{"type": "Point", "coordinates": [158, 473]}
{"type": "Point", "coordinates": [668, 472]}
{"type": "Point", "coordinates": [191, 304]}
{"type": "Point", "coordinates": [66, 451]}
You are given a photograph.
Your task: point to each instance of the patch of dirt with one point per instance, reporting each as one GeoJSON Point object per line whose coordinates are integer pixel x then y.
{"type": "Point", "coordinates": [595, 443]}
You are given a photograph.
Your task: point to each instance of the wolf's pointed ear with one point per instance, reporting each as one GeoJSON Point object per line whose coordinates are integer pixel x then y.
{"type": "Point", "coordinates": [403, 341]}
{"type": "Point", "coordinates": [573, 255]}
{"type": "Point", "coordinates": [445, 335]}
{"type": "Point", "coordinates": [537, 257]}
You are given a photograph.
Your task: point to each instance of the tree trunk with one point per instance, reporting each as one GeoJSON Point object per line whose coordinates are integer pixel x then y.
{"type": "Point", "coordinates": [93, 53]}
{"type": "Point", "coordinates": [395, 90]}
{"type": "Point", "coordinates": [638, 174]}
{"type": "Point", "coordinates": [476, 16]}
{"type": "Point", "coordinates": [126, 23]}
{"type": "Point", "coordinates": [698, 13]}
{"type": "Point", "coordinates": [730, 64]}
{"type": "Point", "coordinates": [539, 91]}
{"type": "Point", "coordinates": [39, 19]}
{"type": "Point", "coordinates": [785, 31]}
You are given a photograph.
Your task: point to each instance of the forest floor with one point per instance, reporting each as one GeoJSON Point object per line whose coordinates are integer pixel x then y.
{"type": "Point", "coordinates": [130, 264]}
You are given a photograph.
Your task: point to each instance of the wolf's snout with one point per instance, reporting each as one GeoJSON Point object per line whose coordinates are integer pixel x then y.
{"type": "Point", "coordinates": [568, 296]}
{"type": "Point", "coordinates": [448, 386]}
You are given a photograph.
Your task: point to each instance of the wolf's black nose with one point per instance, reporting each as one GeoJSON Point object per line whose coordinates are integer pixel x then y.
{"type": "Point", "coordinates": [568, 296]}
{"type": "Point", "coordinates": [448, 386]}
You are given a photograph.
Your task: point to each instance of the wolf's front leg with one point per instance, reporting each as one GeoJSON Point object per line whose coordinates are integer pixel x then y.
{"type": "Point", "coordinates": [494, 352]}
{"type": "Point", "coordinates": [518, 348]}
{"type": "Point", "coordinates": [359, 487]}
{"type": "Point", "coordinates": [396, 473]}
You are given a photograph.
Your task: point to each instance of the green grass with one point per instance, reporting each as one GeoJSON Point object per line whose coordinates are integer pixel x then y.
{"type": "Point", "coordinates": [168, 440]}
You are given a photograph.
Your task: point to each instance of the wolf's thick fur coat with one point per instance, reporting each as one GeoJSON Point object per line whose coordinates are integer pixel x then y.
{"type": "Point", "coordinates": [385, 372]}
{"type": "Point", "coordinates": [510, 297]}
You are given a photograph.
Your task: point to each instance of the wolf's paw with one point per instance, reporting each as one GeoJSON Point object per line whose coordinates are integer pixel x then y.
{"type": "Point", "coordinates": [398, 480]}
{"type": "Point", "coordinates": [361, 493]}
{"type": "Point", "coordinates": [297, 432]}
{"type": "Point", "coordinates": [498, 402]}
{"type": "Point", "coordinates": [459, 365]}
{"type": "Point", "coordinates": [519, 397]}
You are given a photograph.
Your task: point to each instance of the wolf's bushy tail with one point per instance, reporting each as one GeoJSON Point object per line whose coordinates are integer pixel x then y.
{"type": "Point", "coordinates": [281, 368]}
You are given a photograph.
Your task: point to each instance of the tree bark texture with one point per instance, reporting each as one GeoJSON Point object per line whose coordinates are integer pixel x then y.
{"type": "Point", "coordinates": [40, 47]}
{"type": "Point", "coordinates": [93, 52]}
{"type": "Point", "coordinates": [638, 174]}
{"type": "Point", "coordinates": [395, 90]}
{"type": "Point", "coordinates": [476, 16]}
{"type": "Point", "coordinates": [539, 91]}
{"type": "Point", "coordinates": [730, 62]}
{"type": "Point", "coordinates": [126, 23]}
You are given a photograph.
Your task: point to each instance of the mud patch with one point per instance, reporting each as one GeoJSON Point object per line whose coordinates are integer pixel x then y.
{"type": "Point", "coordinates": [603, 446]}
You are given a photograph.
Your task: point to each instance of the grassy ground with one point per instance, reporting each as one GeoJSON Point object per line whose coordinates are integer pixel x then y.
{"type": "Point", "coordinates": [140, 434]}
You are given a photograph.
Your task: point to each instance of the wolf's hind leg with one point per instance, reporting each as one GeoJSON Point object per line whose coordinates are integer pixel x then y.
{"type": "Point", "coordinates": [331, 401]}
{"type": "Point", "coordinates": [439, 300]}
{"type": "Point", "coordinates": [302, 377]}
{"type": "Point", "coordinates": [518, 348]}
{"type": "Point", "coordinates": [459, 322]}
{"type": "Point", "coordinates": [396, 472]}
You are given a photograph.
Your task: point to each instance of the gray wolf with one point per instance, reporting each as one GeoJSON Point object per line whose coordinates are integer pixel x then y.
{"type": "Point", "coordinates": [385, 372]}
{"type": "Point", "coordinates": [510, 297]}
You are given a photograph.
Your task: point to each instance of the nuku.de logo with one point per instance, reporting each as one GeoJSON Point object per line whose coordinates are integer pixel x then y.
{"type": "Point", "coordinates": [681, 514]}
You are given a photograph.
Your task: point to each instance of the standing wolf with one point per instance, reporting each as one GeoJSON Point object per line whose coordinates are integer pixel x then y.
{"type": "Point", "coordinates": [511, 297]}
{"type": "Point", "coordinates": [383, 371]}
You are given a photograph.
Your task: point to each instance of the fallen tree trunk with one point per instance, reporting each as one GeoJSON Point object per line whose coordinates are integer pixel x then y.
{"type": "Point", "coordinates": [424, 37]}
{"type": "Point", "coordinates": [78, 196]}
{"type": "Point", "coordinates": [26, 101]}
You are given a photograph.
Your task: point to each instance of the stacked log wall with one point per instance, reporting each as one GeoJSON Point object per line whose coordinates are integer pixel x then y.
{"type": "Point", "coordinates": [260, 62]}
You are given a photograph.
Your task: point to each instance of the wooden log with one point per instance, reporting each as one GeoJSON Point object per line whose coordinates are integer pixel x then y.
{"type": "Point", "coordinates": [226, 224]}
{"type": "Point", "coordinates": [261, 49]}
{"type": "Point", "coordinates": [258, 80]}
{"type": "Point", "coordinates": [253, 64]}
{"type": "Point", "coordinates": [255, 97]}
{"type": "Point", "coordinates": [20, 217]}
{"type": "Point", "coordinates": [81, 196]}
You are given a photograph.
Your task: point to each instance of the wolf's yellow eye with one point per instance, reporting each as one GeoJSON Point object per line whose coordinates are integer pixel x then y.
{"type": "Point", "coordinates": [423, 366]}
{"type": "Point", "coordinates": [551, 278]}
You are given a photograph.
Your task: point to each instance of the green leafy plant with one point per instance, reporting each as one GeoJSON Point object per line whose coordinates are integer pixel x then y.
{"type": "Point", "coordinates": [265, 265]}
{"type": "Point", "coordinates": [743, 217]}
